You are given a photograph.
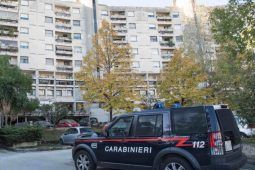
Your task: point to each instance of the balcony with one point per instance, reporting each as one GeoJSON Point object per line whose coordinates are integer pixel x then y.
{"type": "Point", "coordinates": [164, 17]}
{"type": "Point", "coordinates": [7, 46]}
{"type": "Point", "coordinates": [63, 24]}
{"type": "Point", "coordinates": [167, 44]}
{"type": "Point", "coordinates": [60, 39]}
{"type": "Point", "coordinates": [64, 51]}
{"type": "Point", "coordinates": [7, 31]}
{"type": "Point", "coordinates": [118, 16]}
{"type": "Point", "coordinates": [62, 11]}
{"type": "Point", "coordinates": [120, 29]}
{"type": "Point", "coordinates": [166, 56]}
{"type": "Point", "coordinates": [9, 5]}
{"type": "Point", "coordinates": [65, 68]}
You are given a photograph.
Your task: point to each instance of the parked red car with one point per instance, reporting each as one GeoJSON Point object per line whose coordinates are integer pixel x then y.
{"type": "Point", "coordinates": [67, 123]}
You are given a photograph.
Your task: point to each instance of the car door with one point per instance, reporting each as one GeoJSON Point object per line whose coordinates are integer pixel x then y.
{"type": "Point", "coordinates": [110, 148]}
{"type": "Point", "coordinates": [145, 142]}
{"type": "Point", "coordinates": [71, 135]}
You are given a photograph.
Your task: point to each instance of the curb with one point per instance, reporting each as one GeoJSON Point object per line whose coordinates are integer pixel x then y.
{"type": "Point", "coordinates": [51, 148]}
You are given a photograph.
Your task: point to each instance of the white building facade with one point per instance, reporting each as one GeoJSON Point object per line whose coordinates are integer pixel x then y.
{"type": "Point", "coordinates": [153, 33]}
{"type": "Point", "coordinates": [48, 39]}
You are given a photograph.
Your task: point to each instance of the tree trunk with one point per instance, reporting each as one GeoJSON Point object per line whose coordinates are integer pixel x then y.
{"type": "Point", "coordinates": [111, 110]}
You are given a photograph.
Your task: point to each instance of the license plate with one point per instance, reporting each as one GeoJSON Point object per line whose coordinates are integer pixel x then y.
{"type": "Point", "coordinates": [228, 145]}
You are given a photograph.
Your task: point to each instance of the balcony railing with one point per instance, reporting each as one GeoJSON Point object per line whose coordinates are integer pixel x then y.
{"type": "Point", "coordinates": [10, 49]}
{"type": "Point", "coordinates": [166, 56]}
{"type": "Point", "coordinates": [10, 21]}
{"type": "Point", "coordinates": [120, 41]}
{"type": "Point", "coordinates": [9, 5]}
{"type": "Point", "coordinates": [63, 39]}
{"type": "Point", "coordinates": [63, 26]}
{"type": "Point", "coordinates": [166, 31]}
{"type": "Point", "coordinates": [62, 13]}
{"type": "Point", "coordinates": [118, 17]}
{"type": "Point", "coordinates": [164, 18]}
{"type": "Point", "coordinates": [64, 68]}
{"type": "Point", "coordinates": [167, 43]}
{"type": "Point", "coordinates": [6, 33]}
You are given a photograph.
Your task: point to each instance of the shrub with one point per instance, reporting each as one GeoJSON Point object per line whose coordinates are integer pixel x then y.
{"type": "Point", "coordinates": [14, 135]}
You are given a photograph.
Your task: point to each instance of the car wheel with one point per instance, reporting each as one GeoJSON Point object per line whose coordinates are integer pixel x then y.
{"type": "Point", "coordinates": [175, 163]}
{"type": "Point", "coordinates": [83, 161]}
{"type": "Point", "coordinates": [61, 141]}
{"type": "Point", "coordinates": [243, 135]}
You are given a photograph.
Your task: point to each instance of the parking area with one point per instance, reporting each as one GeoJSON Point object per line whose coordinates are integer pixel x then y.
{"type": "Point", "coordinates": [48, 160]}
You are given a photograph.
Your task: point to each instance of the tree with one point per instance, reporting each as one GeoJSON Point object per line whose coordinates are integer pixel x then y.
{"type": "Point", "coordinates": [233, 28]}
{"type": "Point", "coordinates": [113, 86]}
{"type": "Point", "coordinates": [183, 80]}
{"type": "Point", "coordinates": [14, 86]}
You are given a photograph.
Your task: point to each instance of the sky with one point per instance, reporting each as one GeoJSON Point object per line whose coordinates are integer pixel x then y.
{"type": "Point", "coordinates": [158, 3]}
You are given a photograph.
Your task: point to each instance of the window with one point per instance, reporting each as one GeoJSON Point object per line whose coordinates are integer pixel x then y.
{"type": "Point", "coordinates": [24, 30]}
{"type": "Point", "coordinates": [24, 16]}
{"type": "Point", "coordinates": [176, 15]}
{"type": "Point", "coordinates": [136, 64]}
{"type": "Point", "coordinates": [59, 92]}
{"type": "Point", "coordinates": [76, 10]}
{"type": "Point", "coordinates": [48, 6]}
{"type": "Point", "coordinates": [78, 63]}
{"type": "Point", "coordinates": [133, 38]}
{"type": "Point", "coordinates": [177, 26]}
{"type": "Point", "coordinates": [154, 51]}
{"type": "Point", "coordinates": [48, 33]}
{"type": "Point", "coordinates": [188, 121]}
{"type": "Point", "coordinates": [49, 47]}
{"type": "Point", "coordinates": [104, 13]}
{"type": "Point", "coordinates": [24, 45]}
{"type": "Point", "coordinates": [131, 13]}
{"type": "Point", "coordinates": [153, 38]}
{"type": "Point", "coordinates": [152, 26]}
{"type": "Point", "coordinates": [49, 61]}
{"type": "Point", "coordinates": [132, 26]}
{"type": "Point", "coordinates": [41, 92]}
{"type": "Point", "coordinates": [24, 59]}
{"type": "Point", "coordinates": [50, 92]}
{"type": "Point", "coordinates": [78, 50]}
{"type": "Point", "coordinates": [77, 36]}
{"type": "Point", "coordinates": [69, 93]}
{"type": "Point", "coordinates": [149, 126]}
{"type": "Point", "coordinates": [134, 50]}
{"type": "Point", "coordinates": [24, 2]}
{"type": "Point", "coordinates": [76, 23]}
{"type": "Point", "coordinates": [48, 20]}
{"type": "Point", "coordinates": [179, 39]}
{"type": "Point", "coordinates": [71, 131]}
{"type": "Point", "coordinates": [156, 64]}
{"type": "Point", "coordinates": [121, 127]}
{"type": "Point", "coordinates": [151, 14]}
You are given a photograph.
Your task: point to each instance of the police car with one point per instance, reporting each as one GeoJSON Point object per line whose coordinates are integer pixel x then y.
{"type": "Point", "coordinates": [203, 137]}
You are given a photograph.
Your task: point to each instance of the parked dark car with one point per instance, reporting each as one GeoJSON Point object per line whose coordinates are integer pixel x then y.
{"type": "Point", "coordinates": [67, 123]}
{"type": "Point", "coordinates": [84, 122]}
{"type": "Point", "coordinates": [43, 124]}
{"type": "Point", "coordinates": [188, 138]}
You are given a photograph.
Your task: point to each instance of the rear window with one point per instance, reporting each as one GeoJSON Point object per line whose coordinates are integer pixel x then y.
{"type": "Point", "coordinates": [228, 125]}
{"type": "Point", "coordinates": [186, 121]}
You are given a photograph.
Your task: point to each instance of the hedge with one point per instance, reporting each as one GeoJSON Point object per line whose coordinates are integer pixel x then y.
{"type": "Point", "coordinates": [14, 135]}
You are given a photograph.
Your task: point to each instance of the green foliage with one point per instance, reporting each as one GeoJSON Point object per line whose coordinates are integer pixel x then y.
{"type": "Point", "coordinates": [107, 72]}
{"type": "Point", "coordinates": [233, 28]}
{"type": "Point", "coordinates": [13, 135]}
{"type": "Point", "coordinates": [14, 86]}
{"type": "Point", "coordinates": [181, 79]}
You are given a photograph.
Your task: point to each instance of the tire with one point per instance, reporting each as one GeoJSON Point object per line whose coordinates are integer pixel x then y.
{"type": "Point", "coordinates": [83, 161]}
{"type": "Point", "coordinates": [243, 135]}
{"type": "Point", "coordinates": [61, 141]}
{"type": "Point", "coordinates": [174, 163]}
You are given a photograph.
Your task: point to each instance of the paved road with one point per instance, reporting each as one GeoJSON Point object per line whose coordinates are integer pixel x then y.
{"type": "Point", "coordinates": [49, 160]}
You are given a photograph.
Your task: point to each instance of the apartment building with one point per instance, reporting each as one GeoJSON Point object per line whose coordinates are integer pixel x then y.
{"type": "Point", "coordinates": [48, 39]}
{"type": "Point", "coordinates": [153, 33]}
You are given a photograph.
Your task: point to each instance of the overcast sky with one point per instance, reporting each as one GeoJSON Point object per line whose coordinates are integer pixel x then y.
{"type": "Point", "coordinates": [157, 3]}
